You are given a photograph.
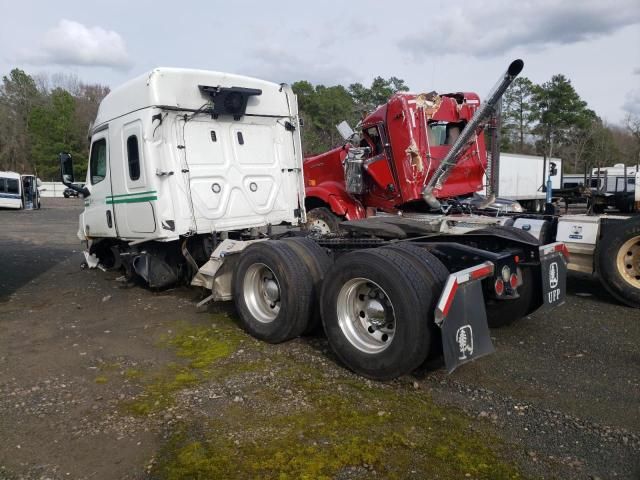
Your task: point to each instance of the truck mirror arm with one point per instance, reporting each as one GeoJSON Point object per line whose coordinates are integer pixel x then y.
{"type": "Point", "coordinates": [66, 174]}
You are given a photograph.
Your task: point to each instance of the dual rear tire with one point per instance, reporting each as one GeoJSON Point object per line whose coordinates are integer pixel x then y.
{"type": "Point", "coordinates": [376, 305]}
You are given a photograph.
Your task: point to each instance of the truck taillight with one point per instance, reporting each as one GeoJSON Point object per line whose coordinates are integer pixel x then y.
{"type": "Point", "coordinates": [513, 281]}
{"type": "Point", "coordinates": [498, 286]}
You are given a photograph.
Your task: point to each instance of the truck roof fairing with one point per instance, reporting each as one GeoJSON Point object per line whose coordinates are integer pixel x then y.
{"type": "Point", "coordinates": [177, 88]}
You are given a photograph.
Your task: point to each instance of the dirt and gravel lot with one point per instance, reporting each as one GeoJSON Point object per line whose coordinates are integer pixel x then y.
{"type": "Point", "coordinates": [100, 381]}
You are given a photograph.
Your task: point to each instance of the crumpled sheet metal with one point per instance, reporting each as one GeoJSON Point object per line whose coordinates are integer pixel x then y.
{"type": "Point", "coordinates": [414, 154]}
{"type": "Point", "coordinates": [429, 102]}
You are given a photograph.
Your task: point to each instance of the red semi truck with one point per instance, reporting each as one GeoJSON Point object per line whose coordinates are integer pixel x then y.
{"type": "Point", "coordinates": [424, 158]}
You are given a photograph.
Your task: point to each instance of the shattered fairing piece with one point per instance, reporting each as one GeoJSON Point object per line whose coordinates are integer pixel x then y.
{"type": "Point", "coordinates": [91, 259]}
{"type": "Point", "coordinates": [217, 273]}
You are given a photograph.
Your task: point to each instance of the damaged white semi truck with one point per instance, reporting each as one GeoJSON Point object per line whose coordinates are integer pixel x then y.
{"type": "Point", "coordinates": [189, 171]}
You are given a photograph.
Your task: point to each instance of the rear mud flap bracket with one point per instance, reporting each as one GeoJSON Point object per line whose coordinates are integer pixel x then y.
{"type": "Point", "coordinates": [461, 316]}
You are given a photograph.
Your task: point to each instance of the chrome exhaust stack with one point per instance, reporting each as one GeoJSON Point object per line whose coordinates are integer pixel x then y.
{"type": "Point", "coordinates": [484, 112]}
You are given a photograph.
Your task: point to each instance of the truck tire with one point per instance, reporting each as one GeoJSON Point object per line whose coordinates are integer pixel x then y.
{"type": "Point", "coordinates": [322, 220]}
{"type": "Point", "coordinates": [618, 261]}
{"type": "Point", "coordinates": [501, 313]}
{"type": "Point", "coordinates": [272, 291]}
{"type": "Point", "coordinates": [318, 263]}
{"type": "Point", "coordinates": [373, 312]}
{"type": "Point", "coordinates": [435, 275]}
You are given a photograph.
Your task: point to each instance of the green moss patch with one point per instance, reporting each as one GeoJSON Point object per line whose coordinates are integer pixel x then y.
{"type": "Point", "coordinates": [132, 374]}
{"type": "Point", "coordinates": [199, 349]}
{"type": "Point", "coordinates": [345, 426]}
{"type": "Point", "coordinates": [297, 419]}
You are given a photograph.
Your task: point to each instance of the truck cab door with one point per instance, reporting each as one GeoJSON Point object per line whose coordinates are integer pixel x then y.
{"type": "Point", "coordinates": [378, 167]}
{"type": "Point", "coordinates": [99, 218]}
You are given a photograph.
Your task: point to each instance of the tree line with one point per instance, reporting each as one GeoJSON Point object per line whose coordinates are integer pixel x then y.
{"type": "Point", "coordinates": [551, 119]}
{"type": "Point", "coordinates": [43, 115]}
{"type": "Point", "coordinates": [537, 119]}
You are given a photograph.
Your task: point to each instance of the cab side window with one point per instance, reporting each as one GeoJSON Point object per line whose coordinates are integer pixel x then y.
{"type": "Point", "coordinates": [376, 140]}
{"type": "Point", "coordinates": [98, 161]}
{"type": "Point", "coordinates": [133, 157]}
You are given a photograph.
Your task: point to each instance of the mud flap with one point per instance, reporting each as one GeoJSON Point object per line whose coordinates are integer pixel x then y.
{"type": "Point", "coordinates": [553, 273]}
{"type": "Point", "coordinates": [461, 316]}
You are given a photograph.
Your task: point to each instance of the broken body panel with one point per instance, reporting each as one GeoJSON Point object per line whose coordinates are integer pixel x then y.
{"type": "Point", "coordinates": [408, 137]}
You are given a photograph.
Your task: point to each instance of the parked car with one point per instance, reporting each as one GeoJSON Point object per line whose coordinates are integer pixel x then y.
{"type": "Point", "coordinates": [69, 192]}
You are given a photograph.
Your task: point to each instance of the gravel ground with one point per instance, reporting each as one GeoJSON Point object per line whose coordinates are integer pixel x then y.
{"type": "Point", "coordinates": [92, 384]}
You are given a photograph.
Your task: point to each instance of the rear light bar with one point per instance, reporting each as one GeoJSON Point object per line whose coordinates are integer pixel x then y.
{"type": "Point", "coordinates": [456, 279]}
{"type": "Point", "coordinates": [553, 248]}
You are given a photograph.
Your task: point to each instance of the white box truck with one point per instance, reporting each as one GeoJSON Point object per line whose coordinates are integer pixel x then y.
{"type": "Point", "coordinates": [522, 177]}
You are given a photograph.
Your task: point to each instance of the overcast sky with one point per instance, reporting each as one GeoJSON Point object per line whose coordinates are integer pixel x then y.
{"type": "Point", "coordinates": [433, 45]}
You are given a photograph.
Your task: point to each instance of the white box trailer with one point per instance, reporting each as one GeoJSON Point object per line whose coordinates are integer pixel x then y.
{"type": "Point", "coordinates": [521, 178]}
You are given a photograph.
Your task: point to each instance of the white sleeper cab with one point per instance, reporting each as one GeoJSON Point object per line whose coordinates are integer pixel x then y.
{"type": "Point", "coordinates": [179, 153]}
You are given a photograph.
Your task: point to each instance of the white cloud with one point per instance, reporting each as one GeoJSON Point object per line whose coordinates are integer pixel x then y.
{"type": "Point", "coordinates": [282, 65]}
{"type": "Point", "coordinates": [632, 102]}
{"type": "Point", "coordinates": [72, 43]}
{"type": "Point", "coordinates": [493, 28]}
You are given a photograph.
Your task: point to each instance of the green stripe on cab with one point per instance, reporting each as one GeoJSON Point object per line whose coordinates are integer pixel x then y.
{"type": "Point", "coordinates": [131, 200]}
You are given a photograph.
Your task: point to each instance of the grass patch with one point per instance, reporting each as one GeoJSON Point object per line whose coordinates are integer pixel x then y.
{"type": "Point", "coordinates": [132, 374]}
{"type": "Point", "coordinates": [303, 424]}
{"type": "Point", "coordinates": [101, 380]}
{"type": "Point", "coordinates": [199, 348]}
{"type": "Point", "coordinates": [393, 430]}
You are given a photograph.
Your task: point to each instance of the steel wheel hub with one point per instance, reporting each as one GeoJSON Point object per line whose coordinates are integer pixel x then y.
{"type": "Point", "coordinates": [262, 293]}
{"type": "Point", "coordinates": [628, 261]}
{"type": "Point", "coordinates": [320, 226]}
{"type": "Point", "coordinates": [366, 315]}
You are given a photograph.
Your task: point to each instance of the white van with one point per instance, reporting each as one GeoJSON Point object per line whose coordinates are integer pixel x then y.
{"type": "Point", "coordinates": [19, 191]}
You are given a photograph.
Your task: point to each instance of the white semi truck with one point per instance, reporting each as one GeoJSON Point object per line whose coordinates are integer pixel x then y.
{"type": "Point", "coordinates": [190, 170]}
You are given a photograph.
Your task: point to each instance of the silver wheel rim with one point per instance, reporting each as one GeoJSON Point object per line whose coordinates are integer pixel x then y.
{"type": "Point", "coordinates": [262, 293]}
{"type": "Point", "coordinates": [628, 261]}
{"type": "Point", "coordinates": [319, 226]}
{"type": "Point", "coordinates": [366, 315]}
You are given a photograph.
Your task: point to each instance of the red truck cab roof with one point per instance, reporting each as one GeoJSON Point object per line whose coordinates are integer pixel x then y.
{"type": "Point", "coordinates": [409, 136]}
